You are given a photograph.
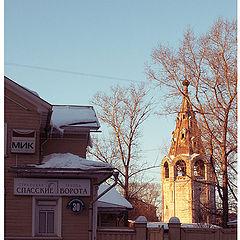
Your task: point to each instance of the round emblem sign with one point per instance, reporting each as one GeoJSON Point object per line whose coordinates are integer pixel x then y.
{"type": "Point", "coordinates": [76, 205]}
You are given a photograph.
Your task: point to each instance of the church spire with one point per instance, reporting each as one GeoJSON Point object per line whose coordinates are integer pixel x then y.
{"type": "Point", "coordinates": [186, 136]}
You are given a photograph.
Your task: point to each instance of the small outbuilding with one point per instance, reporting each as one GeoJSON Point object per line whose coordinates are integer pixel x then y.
{"type": "Point", "coordinates": [112, 208]}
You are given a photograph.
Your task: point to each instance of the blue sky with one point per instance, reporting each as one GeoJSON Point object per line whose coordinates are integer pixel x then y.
{"type": "Point", "coordinates": [56, 46]}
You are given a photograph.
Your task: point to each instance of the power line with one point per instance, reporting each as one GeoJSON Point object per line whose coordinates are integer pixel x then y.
{"type": "Point", "coordinates": [70, 72]}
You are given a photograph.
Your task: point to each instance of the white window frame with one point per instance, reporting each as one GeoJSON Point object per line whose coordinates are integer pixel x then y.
{"type": "Point", "coordinates": [47, 203]}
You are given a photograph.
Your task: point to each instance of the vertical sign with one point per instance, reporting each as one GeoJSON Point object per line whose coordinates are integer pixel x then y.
{"type": "Point", "coordinates": [23, 141]}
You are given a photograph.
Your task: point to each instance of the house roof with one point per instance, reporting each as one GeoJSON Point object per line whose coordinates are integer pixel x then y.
{"type": "Point", "coordinates": [67, 118]}
{"type": "Point", "coordinates": [43, 107]}
{"type": "Point", "coordinates": [69, 160]}
{"type": "Point", "coordinates": [27, 94]}
{"type": "Point", "coordinates": [63, 117]}
{"type": "Point", "coordinates": [67, 165]}
{"type": "Point", "coordinates": [112, 198]}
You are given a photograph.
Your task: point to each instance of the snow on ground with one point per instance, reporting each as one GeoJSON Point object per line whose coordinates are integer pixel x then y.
{"type": "Point", "coordinates": [69, 160]}
{"type": "Point", "coordinates": [113, 197]}
{"type": "Point", "coordinates": [72, 115]}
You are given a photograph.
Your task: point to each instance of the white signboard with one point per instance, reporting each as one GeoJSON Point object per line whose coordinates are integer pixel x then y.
{"type": "Point", "coordinates": [52, 187]}
{"type": "Point", "coordinates": [23, 141]}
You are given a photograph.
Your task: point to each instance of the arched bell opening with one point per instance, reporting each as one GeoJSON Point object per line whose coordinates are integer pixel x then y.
{"type": "Point", "coordinates": [180, 169]}
{"type": "Point", "coordinates": [166, 170]}
{"type": "Point", "coordinates": [199, 169]}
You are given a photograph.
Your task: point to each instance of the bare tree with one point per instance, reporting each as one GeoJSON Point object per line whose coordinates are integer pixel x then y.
{"type": "Point", "coordinates": [146, 201]}
{"type": "Point", "coordinates": [123, 112]}
{"type": "Point", "coordinates": [209, 63]}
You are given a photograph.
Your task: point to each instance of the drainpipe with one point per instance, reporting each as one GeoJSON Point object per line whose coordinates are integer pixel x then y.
{"type": "Point", "coordinates": [47, 131]}
{"type": "Point", "coordinates": [93, 210]}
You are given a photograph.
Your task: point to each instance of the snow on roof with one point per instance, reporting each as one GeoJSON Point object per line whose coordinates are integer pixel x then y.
{"type": "Point", "coordinates": [183, 225]}
{"type": "Point", "coordinates": [199, 225]}
{"type": "Point", "coordinates": [80, 116]}
{"type": "Point", "coordinates": [192, 156]}
{"type": "Point", "coordinates": [113, 197]}
{"type": "Point", "coordinates": [157, 225]}
{"type": "Point", "coordinates": [33, 92]}
{"type": "Point", "coordinates": [68, 160]}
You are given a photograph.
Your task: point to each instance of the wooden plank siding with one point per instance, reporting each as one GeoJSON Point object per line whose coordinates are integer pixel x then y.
{"type": "Point", "coordinates": [18, 114]}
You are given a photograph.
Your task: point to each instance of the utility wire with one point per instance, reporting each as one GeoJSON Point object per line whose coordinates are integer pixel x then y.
{"type": "Point", "coordinates": [70, 72]}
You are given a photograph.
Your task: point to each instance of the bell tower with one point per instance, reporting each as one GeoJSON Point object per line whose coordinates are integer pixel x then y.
{"type": "Point", "coordinates": [186, 184]}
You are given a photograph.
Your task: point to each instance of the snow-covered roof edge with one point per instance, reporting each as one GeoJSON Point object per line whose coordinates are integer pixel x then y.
{"type": "Point", "coordinates": [26, 93]}
{"type": "Point", "coordinates": [189, 156]}
{"type": "Point", "coordinates": [70, 161]}
{"type": "Point", "coordinates": [113, 197]}
{"type": "Point", "coordinates": [74, 117]}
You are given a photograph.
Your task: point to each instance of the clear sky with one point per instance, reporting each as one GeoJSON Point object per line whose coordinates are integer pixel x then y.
{"type": "Point", "coordinates": [59, 47]}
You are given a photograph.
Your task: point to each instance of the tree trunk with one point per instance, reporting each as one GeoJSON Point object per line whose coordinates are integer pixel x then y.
{"type": "Point", "coordinates": [225, 194]}
{"type": "Point", "coordinates": [126, 196]}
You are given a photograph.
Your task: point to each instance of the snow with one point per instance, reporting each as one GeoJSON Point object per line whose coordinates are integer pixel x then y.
{"type": "Point", "coordinates": [141, 219]}
{"type": "Point", "coordinates": [185, 154]}
{"type": "Point", "coordinates": [157, 225]}
{"type": "Point", "coordinates": [112, 197]}
{"type": "Point", "coordinates": [199, 225]}
{"type": "Point", "coordinates": [33, 92]}
{"type": "Point", "coordinates": [194, 155]}
{"type": "Point", "coordinates": [69, 160]}
{"type": "Point", "coordinates": [83, 116]}
{"type": "Point", "coordinates": [183, 225]}
{"type": "Point", "coordinates": [116, 229]}
{"type": "Point", "coordinates": [174, 220]}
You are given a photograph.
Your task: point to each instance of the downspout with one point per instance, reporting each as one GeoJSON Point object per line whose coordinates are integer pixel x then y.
{"type": "Point", "coordinates": [93, 211]}
{"type": "Point", "coordinates": [47, 130]}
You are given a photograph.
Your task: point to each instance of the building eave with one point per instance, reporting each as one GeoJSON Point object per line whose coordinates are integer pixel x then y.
{"type": "Point", "coordinates": [101, 174]}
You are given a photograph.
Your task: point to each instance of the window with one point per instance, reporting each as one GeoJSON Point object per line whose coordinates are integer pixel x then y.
{"type": "Point", "coordinates": [180, 168]}
{"type": "Point", "coordinates": [166, 170]}
{"type": "Point", "coordinates": [47, 215]}
{"type": "Point", "coordinates": [199, 169]}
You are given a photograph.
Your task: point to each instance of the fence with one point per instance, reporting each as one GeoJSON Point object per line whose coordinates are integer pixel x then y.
{"type": "Point", "coordinates": [208, 234]}
{"type": "Point", "coordinates": [139, 231]}
{"type": "Point", "coordinates": [116, 234]}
